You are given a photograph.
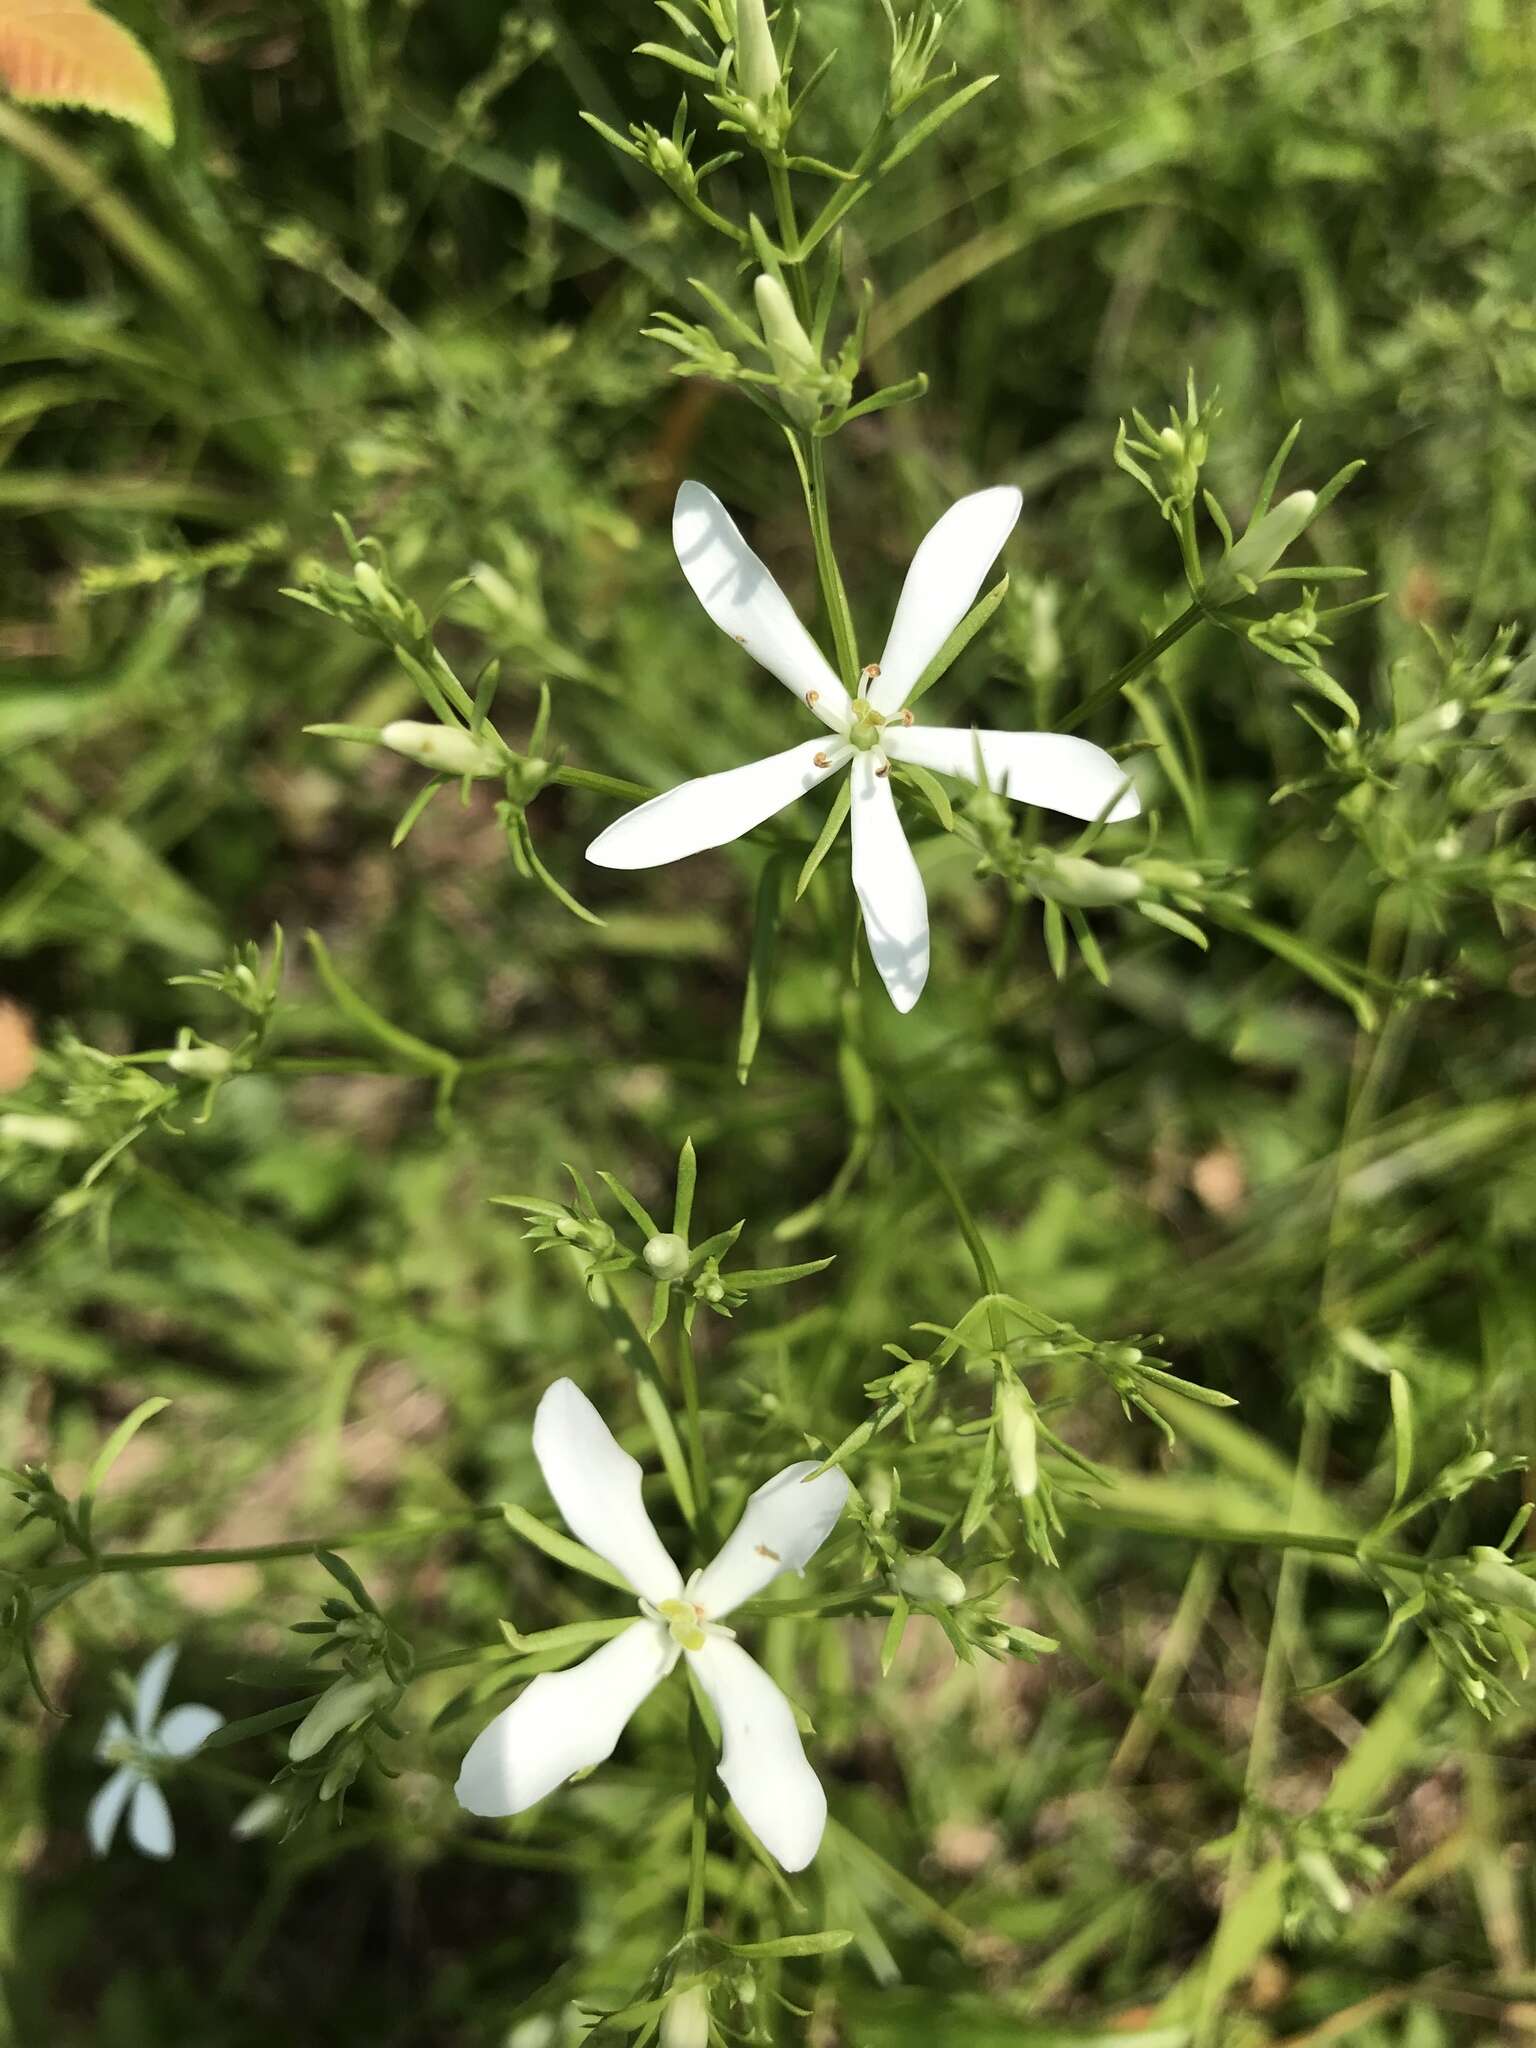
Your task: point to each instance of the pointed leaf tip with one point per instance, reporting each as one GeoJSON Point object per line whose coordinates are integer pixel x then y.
{"type": "Point", "coordinates": [66, 53]}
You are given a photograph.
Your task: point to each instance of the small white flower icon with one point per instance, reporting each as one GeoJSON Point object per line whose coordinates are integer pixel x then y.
{"type": "Point", "coordinates": [140, 1752]}
{"type": "Point", "coordinates": [1055, 770]}
{"type": "Point", "coordinates": [567, 1721]}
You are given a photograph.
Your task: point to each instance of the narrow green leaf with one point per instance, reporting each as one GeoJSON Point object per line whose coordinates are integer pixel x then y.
{"type": "Point", "coordinates": [361, 1013]}
{"type": "Point", "coordinates": [895, 1629]}
{"type": "Point", "coordinates": [959, 640]}
{"type": "Point", "coordinates": [1402, 1434]}
{"type": "Point", "coordinates": [934, 120]}
{"type": "Point", "coordinates": [687, 1180]}
{"type": "Point", "coordinates": [841, 803]}
{"type": "Point", "coordinates": [372, 735]}
{"type": "Point", "coordinates": [258, 1724]}
{"type": "Point", "coordinates": [822, 1944]}
{"type": "Point", "coordinates": [765, 945]}
{"type": "Point", "coordinates": [932, 789]}
{"type": "Point", "coordinates": [564, 1549]}
{"type": "Point", "coordinates": [630, 1204]}
{"type": "Point", "coordinates": [112, 1450]}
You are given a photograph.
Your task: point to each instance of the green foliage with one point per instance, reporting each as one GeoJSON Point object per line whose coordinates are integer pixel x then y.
{"type": "Point", "coordinates": [1167, 1689]}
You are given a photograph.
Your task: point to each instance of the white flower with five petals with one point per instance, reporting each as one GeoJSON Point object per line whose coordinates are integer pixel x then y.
{"type": "Point", "coordinates": [868, 733]}
{"type": "Point", "coordinates": [139, 1752]}
{"type": "Point", "coordinates": [567, 1721]}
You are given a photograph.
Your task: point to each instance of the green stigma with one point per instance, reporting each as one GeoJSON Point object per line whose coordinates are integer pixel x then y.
{"type": "Point", "coordinates": [682, 1618]}
{"type": "Point", "coordinates": [864, 732]}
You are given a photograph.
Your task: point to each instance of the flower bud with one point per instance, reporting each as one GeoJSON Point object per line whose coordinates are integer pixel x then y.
{"type": "Point", "coordinates": [375, 589]}
{"type": "Point", "coordinates": [445, 749]}
{"type": "Point", "coordinates": [795, 362]}
{"type": "Point", "coordinates": [263, 1813]}
{"type": "Point", "coordinates": [1016, 1433]}
{"type": "Point", "coordinates": [667, 1255]}
{"type": "Point", "coordinates": [1262, 545]}
{"type": "Point", "coordinates": [1073, 878]}
{"type": "Point", "coordinates": [348, 1700]}
{"type": "Point", "coordinates": [46, 1133]}
{"type": "Point", "coordinates": [1496, 1579]}
{"type": "Point", "coordinates": [685, 2019]}
{"type": "Point", "coordinates": [757, 62]}
{"type": "Point", "coordinates": [929, 1578]}
{"type": "Point", "coordinates": [200, 1062]}
{"type": "Point", "coordinates": [1322, 1874]}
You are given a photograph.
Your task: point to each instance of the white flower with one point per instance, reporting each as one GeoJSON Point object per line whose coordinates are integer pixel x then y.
{"type": "Point", "coordinates": [138, 1752]}
{"type": "Point", "coordinates": [567, 1721]}
{"type": "Point", "coordinates": [870, 732]}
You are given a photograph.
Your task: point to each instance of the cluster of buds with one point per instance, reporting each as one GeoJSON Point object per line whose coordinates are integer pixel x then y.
{"type": "Point", "coordinates": [690, 1274]}
{"type": "Point", "coordinates": [340, 1731]}
{"type": "Point", "coordinates": [1324, 1854]}
{"type": "Point", "coordinates": [36, 1489]}
{"type": "Point", "coordinates": [1173, 456]}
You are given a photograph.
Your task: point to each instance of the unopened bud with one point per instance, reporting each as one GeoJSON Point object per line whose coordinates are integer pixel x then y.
{"type": "Point", "coordinates": [348, 1700]}
{"type": "Point", "coordinates": [1323, 1876]}
{"type": "Point", "coordinates": [46, 1133]}
{"type": "Point", "coordinates": [1073, 878]}
{"type": "Point", "coordinates": [929, 1578]}
{"type": "Point", "coordinates": [200, 1062]}
{"type": "Point", "coordinates": [1017, 1434]}
{"type": "Point", "coordinates": [685, 2019]}
{"type": "Point", "coordinates": [795, 362]}
{"type": "Point", "coordinates": [757, 62]}
{"type": "Point", "coordinates": [1496, 1579]}
{"type": "Point", "coordinates": [375, 589]}
{"type": "Point", "coordinates": [1263, 544]}
{"type": "Point", "coordinates": [445, 749]}
{"type": "Point", "coordinates": [667, 1255]}
{"type": "Point", "coordinates": [263, 1813]}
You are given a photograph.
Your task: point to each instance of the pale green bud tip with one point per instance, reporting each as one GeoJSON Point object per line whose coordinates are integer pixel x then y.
{"type": "Point", "coordinates": [1268, 538]}
{"type": "Point", "coordinates": [46, 1133]}
{"type": "Point", "coordinates": [667, 1255]}
{"type": "Point", "coordinates": [757, 62]}
{"type": "Point", "coordinates": [685, 2019]}
{"type": "Point", "coordinates": [1017, 1434]}
{"type": "Point", "coordinates": [928, 1578]}
{"type": "Point", "coordinates": [348, 1700]}
{"type": "Point", "coordinates": [1073, 878]}
{"type": "Point", "coordinates": [1325, 1879]}
{"type": "Point", "coordinates": [263, 1813]}
{"type": "Point", "coordinates": [445, 749]}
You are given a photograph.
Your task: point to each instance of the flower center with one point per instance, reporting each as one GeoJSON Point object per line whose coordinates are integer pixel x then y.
{"type": "Point", "coordinates": [685, 1620]}
{"type": "Point", "coordinates": [864, 726]}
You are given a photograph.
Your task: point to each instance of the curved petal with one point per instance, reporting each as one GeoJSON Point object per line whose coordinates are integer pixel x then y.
{"type": "Point", "coordinates": [106, 1809]}
{"type": "Point", "coordinates": [149, 1689]}
{"type": "Point", "coordinates": [782, 1527]}
{"type": "Point", "coordinates": [946, 574]}
{"type": "Point", "coordinates": [565, 1721]}
{"type": "Point", "coordinates": [762, 1765]}
{"type": "Point", "coordinates": [186, 1729]}
{"type": "Point", "coordinates": [743, 600]}
{"type": "Point", "coordinates": [890, 889]}
{"type": "Point", "coordinates": [149, 1821]}
{"type": "Point", "coordinates": [1054, 769]}
{"type": "Point", "coordinates": [596, 1485]}
{"type": "Point", "coordinates": [714, 809]}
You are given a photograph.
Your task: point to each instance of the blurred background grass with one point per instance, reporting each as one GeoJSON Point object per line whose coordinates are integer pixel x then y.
{"type": "Point", "coordinates": [387, 271]}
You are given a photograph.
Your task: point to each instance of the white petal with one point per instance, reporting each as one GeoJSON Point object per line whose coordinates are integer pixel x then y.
{"type": "Point", "coordinates": [942, 584]}
{"type": "Point", "coordinates": [149, 1688]}
{"type": "Point", "coordinates": [781, 1529]}
{"type": "Point", "coordinates": [1053, 769]}
{"type": "Point", "coordinates": [149, 1821]}
{"type": "Point", "coordinates": [890, 889]}
{"type": "Point", "coordinates": [564, 1721]}
{"type": "Point", "coordinates": [106, 1809]}
{"type": "Point", "coordinates": [743, 600]}
{"type": "Point", "coordinates": [714, 809]}
{"type": "Point", "coordinates": [186, 1729]}
{"type": "Point", "coordinates": [596, 1485]}
{"type": "Point", "coordinates": [115, 1731]}
{"type": "Point", "coordinates": [762, 1765]}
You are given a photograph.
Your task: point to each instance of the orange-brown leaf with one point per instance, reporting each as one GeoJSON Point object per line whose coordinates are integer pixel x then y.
{"type": "Point", "coordinates": [66, 53]}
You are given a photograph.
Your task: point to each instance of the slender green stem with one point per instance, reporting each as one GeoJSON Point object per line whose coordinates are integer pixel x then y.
{"type": "Point", "coordinates": [970, 1230]}
{"type": "Point", "coordinates": [688, 1373]}
{"type": "Point", "coordinates": [1137, 665]}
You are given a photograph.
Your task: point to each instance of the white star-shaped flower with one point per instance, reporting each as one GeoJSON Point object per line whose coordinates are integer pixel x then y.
{"type": "Point", "coordinates": [567, 1721]}
{"type": "Point", "coordinates": [139, 1753]}
{"type": "Point", "coordinates": [869, 732]}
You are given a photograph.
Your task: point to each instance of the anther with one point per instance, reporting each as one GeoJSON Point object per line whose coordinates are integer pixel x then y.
{"type": "Point", "coordinates": [870, 670]}
{"type": "Point", "coordinates": [820, 760]}
{"type": "Point", "coordinates": [906, 718]}
{"type": "Point", "coordinates": [884, 768]}
{"type": "Point", "coordinates": [813, 698]}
